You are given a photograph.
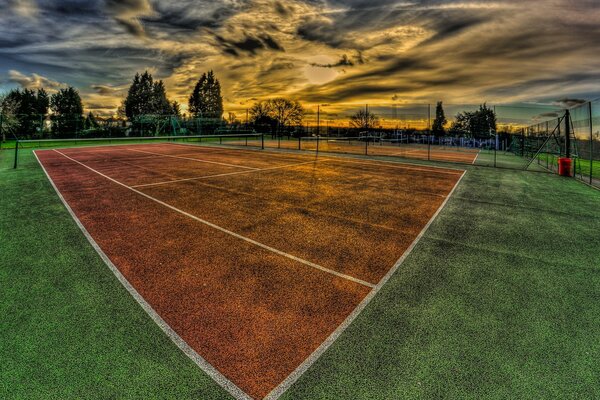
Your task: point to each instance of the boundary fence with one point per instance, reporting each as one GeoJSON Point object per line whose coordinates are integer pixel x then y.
{"type": "Point", "coordinates": [556, 133]}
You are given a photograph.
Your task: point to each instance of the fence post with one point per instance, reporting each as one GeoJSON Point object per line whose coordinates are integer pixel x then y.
{"type": "Point", "coordinates": [428, 147]}
{"type": "Point", "coordinates": [591, 144]}
{"type": "Point", "coordinates": [568, 134]}
{"type": "Point", "coordinates": [495, 149]}
{"type": "Point", "coordinates": [16, 152]}
{"type": "Point", "coordinates": [522, 142]}
{"type": "Point", "coordinates": [262, 141]}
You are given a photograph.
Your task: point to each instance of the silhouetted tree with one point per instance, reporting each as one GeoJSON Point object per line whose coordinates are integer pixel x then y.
{"type": "Point", "coordinates": [146, 97]}
{"type": "Point", "coordinates": [67, 112]}
{"type": "Point", "coordinates": [278, 113]}
{"type": "Point", "coordinates": [206, 100]}
{"type": "Point", "coordinates": [363, 119]}
{"type": "Point", "coordinates": [31, 110]}
{"type": "Point", "coordinates": [260, 112]}
{"type": "Point", "coordinates": [479, 123]}
{"type": "Point", "coordinates": [8, 115]}
{"type": "Point", "coordinates": [90, 121]}
{"type": "Point", "coordinates": [176, 109]}
{"type": "Point", "coordinates": [286, 112]}
{"type": "Point", "coordinates": [440, 120]}
{"type": "Point", "coordinates": [160, 104]}
{"type": "Point", "coordinates": [146, 104]}
{"type": "Point", "coordinates": [42, 103]}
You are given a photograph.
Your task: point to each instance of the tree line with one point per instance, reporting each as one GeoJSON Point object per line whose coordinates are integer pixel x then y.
{"type": "Point", "coordinates": [149, 111]}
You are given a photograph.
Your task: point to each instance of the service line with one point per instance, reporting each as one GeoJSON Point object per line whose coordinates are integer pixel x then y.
{"type": "Point", "coordinates": [194, 159]}
{"type": "Point", "coordinates": [210, 224]}
{"type": "Point", "coordinates": [227, 174]}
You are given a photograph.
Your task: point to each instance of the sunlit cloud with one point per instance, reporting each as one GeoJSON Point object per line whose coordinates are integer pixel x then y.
{"type": "Point", "coordinates": [34, 81]}
{"type": "Point", "coordinates": [315, 51]}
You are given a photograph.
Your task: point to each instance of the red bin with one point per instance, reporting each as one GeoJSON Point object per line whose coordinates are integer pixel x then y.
{"type": "Point", "coordinates": [564, 166]}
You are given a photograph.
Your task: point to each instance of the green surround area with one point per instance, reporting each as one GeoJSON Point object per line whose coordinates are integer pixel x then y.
{"type": "Point", "coordinates": [499, 299]}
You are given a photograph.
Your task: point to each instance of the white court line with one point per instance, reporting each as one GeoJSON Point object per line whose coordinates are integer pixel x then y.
{"type": "Point", "coordinates": [226, 174]}
{"type": "Point", "coordinates": [332, 155]}
{"type": "Point", "coordinates": [310, 360]}
{"type": "Point", "coordinates": [204, 365]}
{"type": "Point", "coordinates": [254, 242]}
{"type": "Point", "coordinates": [194, 159]}
{"type": "Point", "coordinates": [451, 171]}
{"type": "Point", "coordinates": [406, 152]}
{"type": "Point", "coordinates": [476, 157]}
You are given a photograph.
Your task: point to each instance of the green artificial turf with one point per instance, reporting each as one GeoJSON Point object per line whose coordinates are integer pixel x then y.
{"type": "Point", "coordinates": [498, 300]}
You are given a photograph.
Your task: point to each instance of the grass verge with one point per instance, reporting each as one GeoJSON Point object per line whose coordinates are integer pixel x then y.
{"type": "Point", "coordinates": [498, 300]}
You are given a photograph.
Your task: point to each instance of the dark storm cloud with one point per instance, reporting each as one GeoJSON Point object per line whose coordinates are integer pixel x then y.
{"type": "Point", "coordinates": [344, 61]}
{"type": "Point", "coordinates": [249, 44]}
{"type": "Point", "coordinates": [128, 13]}
{"type": "Point", "coordinates": [568, 103]}
{"type": "Point", "coordinates": [428, 49]}
{"type": "Point", "coordinates": [500, 50]}
{"type": "Point", "coordinates": [189, 16]}
{"type": "Point", "coordinates": [106, 90]}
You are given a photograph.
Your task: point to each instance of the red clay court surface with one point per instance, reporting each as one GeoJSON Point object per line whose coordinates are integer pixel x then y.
{"type": "Point", "coordinates": [254, 259]}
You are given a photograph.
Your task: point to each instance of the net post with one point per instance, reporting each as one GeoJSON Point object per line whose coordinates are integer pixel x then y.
{"type": "Point", "coordinates": [262, 141]}
{"type": "Point", "coordinates": [366, 145]}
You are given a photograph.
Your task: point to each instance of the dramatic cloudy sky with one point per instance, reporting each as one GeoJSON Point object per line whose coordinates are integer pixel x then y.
{"type": "Point", "coordinates": [317, 51]}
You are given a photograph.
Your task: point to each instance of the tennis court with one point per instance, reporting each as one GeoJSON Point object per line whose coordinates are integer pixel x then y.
{"type": "Point", "coordinates": [355, 145]}
{"type": "Point", "coordinates": [252, 262]}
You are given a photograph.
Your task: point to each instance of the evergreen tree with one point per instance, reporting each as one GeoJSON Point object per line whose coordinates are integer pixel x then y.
{"type": "Point", "coordinates": [176, 109]}
{"type": "Point", "coordinates": [146, 103]}
{"type": "Point", "coordinates": [43, 103]}
{"type": "Point", "coordinates": [206, 99]}
{"type": "Point", "coordinates": [480, 123]}
{"type": "Point", "coordinates": [440, 120]}
{"type": "Point", "coordinates": [140, 98]}
{"type": "Point", "coordinates": [90, 121]}
{"type": "Point", "coordinates": [67, 113]}
{"type": "Point", "coordinates": [31, 110]}
{"type": "Point", "coordinates": [160, 105]}
{"type": "Point", "coordinates": [9, 122]}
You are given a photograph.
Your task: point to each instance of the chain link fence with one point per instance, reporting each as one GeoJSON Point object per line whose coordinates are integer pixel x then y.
{"type": "Point", "coordinates": [527, 136]}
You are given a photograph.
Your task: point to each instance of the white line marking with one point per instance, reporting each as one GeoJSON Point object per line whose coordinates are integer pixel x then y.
{"type": "Point", "coordinates": [207, 367]}
{"type": "Point", "coordinates": [407, 151]}
{"type": "Point", "coordinates": [301, 153]}
{"type": "Point", "coordinates": [302, 368]}
{"type": "Point", "coordinates": [193, 159]}
{"type": "Point", "coordinates": [476, 157]}
{"type": "Point", "coordinates": [451, 171]}
{"type": "Point", "coordinates": [204, 365]}
{"type": "Point", "coordinates": [227, 174]}
{"type": "Point", "coordinates": [217, 227]}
